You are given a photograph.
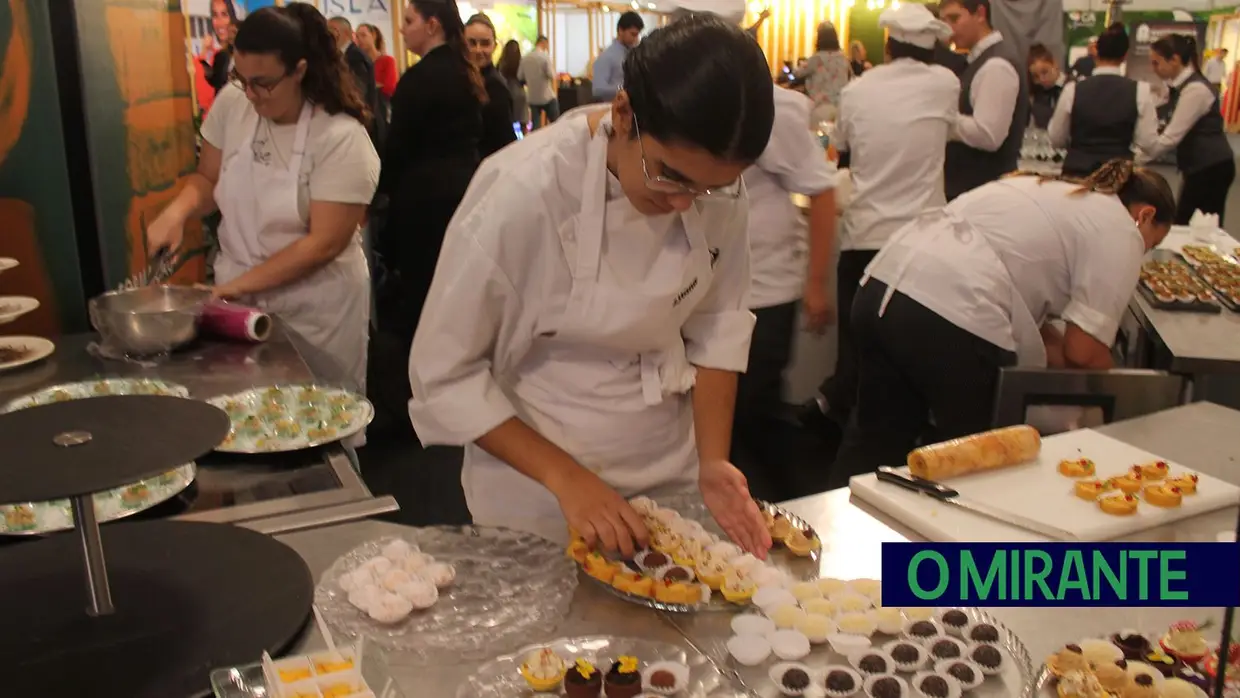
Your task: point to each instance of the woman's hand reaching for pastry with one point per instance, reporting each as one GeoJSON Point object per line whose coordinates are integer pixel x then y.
{"type": "Point", "coordinates": [726, 493]}
{"type": "Point", "coordinates": [599, 514]}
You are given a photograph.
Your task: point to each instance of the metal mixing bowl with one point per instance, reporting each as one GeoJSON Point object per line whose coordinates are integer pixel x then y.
{"type": "Point", "coordinates": [148, 320]}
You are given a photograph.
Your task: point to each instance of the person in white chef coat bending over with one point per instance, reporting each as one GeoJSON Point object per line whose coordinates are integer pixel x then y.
{"type": "Point", "coordinates": [588, 315]}
{"type": "Point", "coordinates": [287, 161]}
{"type": "Point", "coordinates": [964, 291]}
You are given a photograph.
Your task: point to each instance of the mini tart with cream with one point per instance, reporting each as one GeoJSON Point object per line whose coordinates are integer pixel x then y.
{"type": "Point", "coordinates": [1081, 467]}
{"type": "Point", "coordinates": [543, 670]}
{"type": "Point", "coordinates": [666, 542]}
{"type": "Point", "coordinates": [1163, 495]}
{"type": "Point", "coordinates": [712, 572]}
{"type": "Point", "coordinates": [1089, 490]}
{"type": "Point", "coordinates": [600, 567]}
{"type": "Point", "coordinates": [1118, 505]}
{"type": "Point", "coordinates": [1156, 470]}
{"type": "Point", "coordinates": [1130, 482]}
{"type": "Point", "coordinates": [1186, 482]}
{"type": "Point", "coordinates": [738, 588]}
{"type": "Point", "coordinates": [801, 544]}
{"type": "Point", "coordinates": [780, 528]}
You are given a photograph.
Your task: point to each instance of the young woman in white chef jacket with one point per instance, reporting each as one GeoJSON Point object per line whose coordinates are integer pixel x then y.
{"type": "Point", "coordinates": [588, 316]}
{"type": "Point", "coordinates": [966, 290]}
{"type": "Point", "coordinates": [287, 161]}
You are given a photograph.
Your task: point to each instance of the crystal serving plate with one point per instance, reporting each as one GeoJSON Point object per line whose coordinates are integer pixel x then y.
{"type": "Point", "coordinates": [281, 418]}
{"type": "Point", "coordinates": [509, 586]}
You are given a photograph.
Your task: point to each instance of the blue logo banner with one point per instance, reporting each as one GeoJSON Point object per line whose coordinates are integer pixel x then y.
{"type": "Point", "coordinates": [1061, 574]}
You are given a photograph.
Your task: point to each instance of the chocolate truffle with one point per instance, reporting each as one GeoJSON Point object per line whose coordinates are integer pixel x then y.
{"type": "Point", "coordinates": [840, 682]}
{"type": "Point", "coordinates": [886, 687]}
{"type": "Point", "coordinates": [945, 649]}
{"type": "Point", "coordinates": [904, 653]}
{"type": "Point", "coordinates": [985, 632]}
{"type": "Point", "coordinates": [654, 559]}
{"type": "Point", "coordinates": [955, 619]}
{"type": "Point", "coordinates": [873, 664]}
{"type": "Point", "coordinates": [923, 628]}
{"type": "Point", "coordinates": [663, 679]}
{"type": "Point", "coordinates": [962, 672]}
{"type": "Point", "coordinates": [935, 687]}
{"type": "Point", "coordinates": [677, 574]}
{"type": "Point", "coordinates": [987, 657]}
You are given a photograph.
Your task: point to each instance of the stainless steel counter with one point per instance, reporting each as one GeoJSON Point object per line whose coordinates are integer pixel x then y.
{"type": "Point", "coordinates": [1200, 436]}
{"type": "Point", "coordinates": [271, 493]}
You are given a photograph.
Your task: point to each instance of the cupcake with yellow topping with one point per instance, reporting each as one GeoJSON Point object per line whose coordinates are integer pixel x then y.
{"type": "Point", "coordinates": [543, 670]}
{"type": "Point", "coordinates": [583, 680]}
{"type": "Point", "coordinates": [738, 588]}
{"type": "Point", "coordinates": [624, 680]}
{"type": "Point", "coordinates": [711, 573]}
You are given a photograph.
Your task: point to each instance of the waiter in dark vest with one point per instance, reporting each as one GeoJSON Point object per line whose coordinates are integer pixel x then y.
{"type": "Point", "coordinates": [1195, 130]}
{"type": "Point", "coordinates": [994, 110]}
{"type": "Point", "coordinates": [1102, 116]}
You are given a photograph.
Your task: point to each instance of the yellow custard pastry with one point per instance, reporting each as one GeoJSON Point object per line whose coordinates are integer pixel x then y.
{"type": "Point", "coordinates": [676, 592]}
{"type": "Point", "coordinates": [1163, 495]}
{"type": "Point", "coordinates": [1130, 482]}
{"type": "Point", "coordinates": [800, 544]}
{"type": "Point", "coordinates": [666, 542]}
{"type": "Point", "coordinates": [578, 550]}
{"type": "Point", "coordinates": [780, 528]}
{"type": "Point", "coordinates": [543, 670]}
{"type": "Point", "coordinates": [711, 573]}
{"type": "Point", "coordinates": [1156, 470]}
{"type": "Point", "coordinates": [600, 567]}
{"type": "Point", "coordinates": [1112, 678]}
{"type": "Point", "coordinates": [624, 579]}
{"type": "Point", "coordinates": [1187, 482]}
{"type": "Point", "coordinates": [689, 551]}
{"type": "Point", "coordinates": [1119, 505]}
{"type": "Point", "coordinates": [643, 587]}
{"type": "Point", "coordinates": [738, 588]}
{"type": "Point", "coordinates": [1089, 490]}
{"type": "Point", "coordinates": [1081, 467]}
{"type": "Point", "coordinates": [1079, 684]}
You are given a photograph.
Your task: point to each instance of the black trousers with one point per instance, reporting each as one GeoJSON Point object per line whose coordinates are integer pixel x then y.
{"type": "Point", "coordinates": [1206, 191]}
{"type": "Point", "coordinates": [914, 365]}
{"type": "Point", "coordinates": [840, 388]}
{"type": "Point", "coordinates": [756, 445]}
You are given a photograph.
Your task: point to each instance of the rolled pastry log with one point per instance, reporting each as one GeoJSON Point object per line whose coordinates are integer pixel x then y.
{"type": "Point", "coordinates": [986, 451]}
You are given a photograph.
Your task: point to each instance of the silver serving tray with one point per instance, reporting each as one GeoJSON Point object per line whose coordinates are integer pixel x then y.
{"type": "Point", "coordinates": [289, 398]}
{"type": "Point", "coordinates": [692, 507]}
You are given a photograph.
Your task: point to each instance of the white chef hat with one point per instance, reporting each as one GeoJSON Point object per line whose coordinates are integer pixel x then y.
{"type": "Point", "coordinates": [912, 23]}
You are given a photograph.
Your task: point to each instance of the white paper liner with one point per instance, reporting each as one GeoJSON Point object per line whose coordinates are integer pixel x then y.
{"type": "Point", "coordinates": [934, 644]}
{"type": "Point", "coordinates": [676, 669]}
{"type": "Point", "coordinates": [816, 627]}
{"type": "Point", "coordinates": [978, 676]}
{"type": "Point", "coordinates": [777, 672]}
{"type": "Point", "coordinates": [908, 667]}
{"type": "Point", "coordinates": [987, 670]}
{"type": "Point", "coordinates": [790, 645]}
{"type": "Point", "coordinates": [926, 639]}
{"type": "Point", "coordinates": [868, 686]}
{"type": "Point", "coordinates": [953, 686]}
{"type": "Point", "coordinates": [749, 650]}
{"type": "Point", "coordinates": [858, 681]}
{"type": "Point", "coordinates": [752, 624]}
{"type": "Point", "coordinates": [856, 624]}
{"type": "Point", "coordinates": [954, 630]}
{"type": "Point", "coordinates": [970, 630]}
{"type": "Point", "coordinates": [856, 659]}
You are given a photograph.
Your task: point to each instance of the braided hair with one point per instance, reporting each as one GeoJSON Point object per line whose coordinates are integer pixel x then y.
{"type": "Point", "coordinates": [298, 32]}
{"type": "Point", "coordinates": [1122, 178]}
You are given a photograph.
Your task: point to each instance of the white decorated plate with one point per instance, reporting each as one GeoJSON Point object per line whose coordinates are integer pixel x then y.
{"type": "Point", "coordinates": [510, 586]}
{"type": "Point", "coordinates": [16, 352]}
{"type": "Point", "coordinates": [97, 388]}
{"type": "Point", "coordinates": [281, 418]}
{"type": "Point", "coordinates": [13, 307]}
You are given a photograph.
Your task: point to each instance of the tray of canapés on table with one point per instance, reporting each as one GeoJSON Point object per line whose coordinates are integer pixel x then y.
{"type": "Point", "coordinates": [32, 518]}
{"type": "Point", "coordinates": [447, 593]}
{"type": "Point", "coordinates": [344, 672]}
{"type": "Point", "coordinates": [1179, 663]}
{"type": "Point", "coordinates": [595, 667]}
{"type": "Point", "coordinates": [1168, 283]}
{"type": "Point", "coordinates": [689, 568]}
{"type": "Point", "coordinates": [282, 418]}
{"type": "Point", "coordinates": [833, 637]}
{"type": "Point", "coordinates": [1220, 271]}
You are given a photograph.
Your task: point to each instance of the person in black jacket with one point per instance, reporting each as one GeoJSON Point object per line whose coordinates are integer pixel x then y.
{"type": "Point", "coordinates": [363, 71]}
{"type": "Point", "coordinates": [497, 123]}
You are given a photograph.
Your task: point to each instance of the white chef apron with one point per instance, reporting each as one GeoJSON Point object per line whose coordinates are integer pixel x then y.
{"type": "Point", "coordinates": [951, 235]}
{"type": "Point", "coordinates": [330, 308]}
{"type": "Point", "coordinates": [611, 386]}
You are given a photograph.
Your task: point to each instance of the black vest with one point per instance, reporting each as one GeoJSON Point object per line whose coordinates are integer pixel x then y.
{"type": "Point", "coordinates": [1205, 144]}
{"type": "Point", "coordinates": [1042, 101]}
{"type": "Point", "coordinates": [1104, 117]}
{"type": "Point", "coordinates": [969, 168]}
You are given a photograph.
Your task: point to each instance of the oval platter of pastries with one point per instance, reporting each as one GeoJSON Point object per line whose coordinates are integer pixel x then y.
{"type": "Point", "coordinates": [690, 566]}
{"type": "Point", "coordinates": [1176, 663]}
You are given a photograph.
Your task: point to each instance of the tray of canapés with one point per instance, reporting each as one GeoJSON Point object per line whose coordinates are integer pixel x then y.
{"type": "Point", "coordinates": [34, 518]}
{"type": "Point", "coordinates": [833, 637]}
{"type": "Point", "coordinates": [689, 568]}
{"type": "Point", "coordinates": [283, 418]}
{"type": "Point", "coordinates": [1170, 284]}
{"type": "Point", "coordinates": [1220, 271]}
{"type": "Point", "coordinates": [1179, 663]}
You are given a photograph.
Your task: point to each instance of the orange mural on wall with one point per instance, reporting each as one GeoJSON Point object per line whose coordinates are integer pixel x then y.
{"type": "Point", "coordinates": [147, 41]}
{"type": "Point", "coordinates": [17, 234]}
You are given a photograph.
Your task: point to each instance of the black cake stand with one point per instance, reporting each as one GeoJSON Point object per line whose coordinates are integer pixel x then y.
{"type": "Point", "coordinates": [188, 596]}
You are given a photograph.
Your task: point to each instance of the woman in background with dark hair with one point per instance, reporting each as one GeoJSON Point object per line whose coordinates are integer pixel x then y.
{"type": "Point", "coordinates": [1046, 83]}
{"type": "Point", "coordinates": [497, 129]}
{"type": "Point", "coordinates": [1195, 129]}
{"type": "Point", "coordinates": [509, 67]}
{"type": "Point", "coordinates": [590, 318]}
{"type": "Point", "coordinates": [286, 160]}
{"type": "Point", "coordinates": [370, 40]}
{"type": "Point", "coordinates": [825, 73]}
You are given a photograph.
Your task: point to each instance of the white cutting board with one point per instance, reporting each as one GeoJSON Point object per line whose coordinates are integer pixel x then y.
{"type": "Point", "coordinates": [1037, 491]}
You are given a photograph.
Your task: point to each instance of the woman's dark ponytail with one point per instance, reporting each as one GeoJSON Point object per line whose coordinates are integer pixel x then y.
{"type": "Point", "coordinates": [299, 32]}
{"type": "Point", "coordinates": [1123, 178]}
{"type": "Point", "coordinates": [449, 17]}
{"type": "Point", "coordinates": [1181, 45]}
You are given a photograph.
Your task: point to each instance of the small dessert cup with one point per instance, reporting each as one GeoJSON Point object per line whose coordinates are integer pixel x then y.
{"type": "Point", "coordinates": [888, 686]}
{"type": "Point", "coordinates": [752, 624]}
{"type": "Point", "coordinates": [343, 659]}
{"type": "Point", "coordinates": [789, 645]}
{"type": "Point", "coordinates": [293, 669]}
{"type": "Point", "coordinates": [869, 588]}
{"type": "Point", "coordinates": [770, 598]}
{"type": "Point", "coordinates": [822, 607]}
{"type": "Point", "coordinates": [848, 645]}
{"type": "Point", "coordinates": [651, 560]}
{"type": "Point", "coordinates": [989, 657]}
{"type": "Point", "coordinates": [931, 684]}
{"type": "Point", "coordinates": [308, 688]}
{"type": "Point", "coordinates": [817, 628]}
{"type": "Point", "coordinates": [786, 616]}
{"type": "Point", "coordinates": [889, 621]}
{"type": "Point", "coordinates": [831, 585]}
{"type": "Point", "coordinates": [923, 631]}
{"type": "Point", "coordinates": [341, 684]}
{"type": "Point", "coordinates": [851, 602]}
{"type": "Point", "coordinates": [982, 631]}
{"type": "Point", "coordinates": [791, 678]}
{"type": "Point", "coordinates": [804, 591]}
{"type": "Point", "coordinates": [946, 648]}
{"type": "Point", "coordinates": [1136, 669]}
{"type": "Point", "coordinates": [675, 573]}
{"type": "Point", "coordinates": [966, 672]}
{"type": "Point", "coordinates": [857, 624]}
{"type": "Point", "coordinates": [918, 612]}
{"type": "Point", "coordinates": [839, 681]}
{"type": "Point", "coordinates": [665, 678]}
{"type": "Point", "coordinates": [909, 656]}
{"type": "Point", "coordinates": [618, 683]}
{"type": "Point", "coordinates": [873, 661]}
{"type": "Point", "coordinates": [954, 621]}
{"type": "Point", "coordinates": [749, 650]}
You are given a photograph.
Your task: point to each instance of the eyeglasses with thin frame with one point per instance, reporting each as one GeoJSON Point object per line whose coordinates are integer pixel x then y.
{"type": "Point", "coordinates": [667, 185]}
{"type": "Point", "coordinates": [265, 85]}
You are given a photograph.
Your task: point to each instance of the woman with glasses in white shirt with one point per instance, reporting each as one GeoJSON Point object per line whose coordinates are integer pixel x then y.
{"type": "Point", "coordinates": [588, 316]}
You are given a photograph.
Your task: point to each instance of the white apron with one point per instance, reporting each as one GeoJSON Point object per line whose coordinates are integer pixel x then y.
{"type": "Point", "coordinates": [611, 386]}
{"type": "Point", "coordinates": [940, 229]}
{"type": "Point", "coordinates": [330, 308]}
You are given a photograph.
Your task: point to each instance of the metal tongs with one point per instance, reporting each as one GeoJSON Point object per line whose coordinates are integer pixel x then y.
{"type": "Point", "coordinates": [159, 267]}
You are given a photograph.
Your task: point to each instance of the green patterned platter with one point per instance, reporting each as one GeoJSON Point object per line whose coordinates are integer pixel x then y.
{"type": "Point", "coordinates": [34, 518]}
{"type": "Point", "coordinates": [283, 418]}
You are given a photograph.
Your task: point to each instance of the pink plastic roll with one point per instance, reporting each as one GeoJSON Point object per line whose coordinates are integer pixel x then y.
{"type": "Point", "coordinates": [236, 321]}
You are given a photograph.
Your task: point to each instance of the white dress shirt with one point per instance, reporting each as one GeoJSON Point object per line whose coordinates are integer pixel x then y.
{"type": "Point", "coordinates": [1144, 136]}
{"type": "Point", "coordinates": [894, 121]}
{"type": "Point", "coordinates": [1214, 70]}
{"type": "Point", "coordinates": [794, 162]}
{"type": "Point", "coordinates": [1196, 100]}
{"type": "Point", "coordinates": [993, 95]}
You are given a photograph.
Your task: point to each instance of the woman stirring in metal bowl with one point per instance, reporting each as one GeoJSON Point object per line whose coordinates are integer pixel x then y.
{"type": "Point", "coordinates": [286, 160]}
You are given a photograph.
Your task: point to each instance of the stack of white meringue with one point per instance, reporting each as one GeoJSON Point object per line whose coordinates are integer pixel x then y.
{"type": "Point", "coordinates": [401, 578]}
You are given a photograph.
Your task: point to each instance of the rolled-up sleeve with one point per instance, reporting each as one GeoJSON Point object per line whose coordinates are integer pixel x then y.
{"type": "Point", "coordinates": [718, 332]}
{"type": "Point", "coordinates": [474, 323]}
